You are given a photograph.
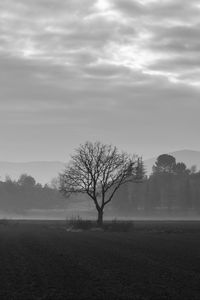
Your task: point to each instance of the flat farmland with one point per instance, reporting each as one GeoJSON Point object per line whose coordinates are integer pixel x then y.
{"type": "Point", "coordinates": [157, 260]}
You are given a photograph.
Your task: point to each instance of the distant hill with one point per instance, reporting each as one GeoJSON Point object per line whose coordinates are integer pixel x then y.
{"type": "Point", "coordinates": [42, 171]}
{"type": "Point", "coordinates": [189, 157]}
{"type": "Point", "coordinates": [45, 171]}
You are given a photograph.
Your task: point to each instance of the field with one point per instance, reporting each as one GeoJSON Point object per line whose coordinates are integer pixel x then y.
{"type": "Point", "coordinates": [157, 260]}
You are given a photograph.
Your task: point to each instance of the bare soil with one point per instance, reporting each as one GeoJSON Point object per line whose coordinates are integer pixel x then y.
{"type": "Point", "coordinates": [41, 260]}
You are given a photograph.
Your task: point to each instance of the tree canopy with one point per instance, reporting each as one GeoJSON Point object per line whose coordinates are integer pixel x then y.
{"type": "Point", "coordinates": [164, 163]}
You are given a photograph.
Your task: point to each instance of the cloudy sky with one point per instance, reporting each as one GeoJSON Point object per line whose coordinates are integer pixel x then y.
{"type": "Point", "coordinates": [125, 72]}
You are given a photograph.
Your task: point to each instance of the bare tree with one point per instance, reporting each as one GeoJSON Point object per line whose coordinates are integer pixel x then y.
{"type": "Point", "coordinates": [98, 170]}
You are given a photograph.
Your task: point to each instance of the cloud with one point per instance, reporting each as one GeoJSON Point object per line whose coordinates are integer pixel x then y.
{"type": "Point", "coordinates": [168, 35]}
{"type": "Point", "coordinates": [167, 9]}
{"type": "Point", "coordinates": [99, 69]}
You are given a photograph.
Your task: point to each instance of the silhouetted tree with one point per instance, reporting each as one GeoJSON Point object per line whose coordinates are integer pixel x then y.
{"type": "Point", "coordinates": [98, 170]}
{"type": "Point", "coordinates": [195, 191]}
{"type": "Point", "coordinates": [180, 168]}
{"type": "Point", "coordinates": [140, 170]}
{"type": "Point", "coordinates": [165, 163]}
{"type": "Point", "coordinates": [26, 180]}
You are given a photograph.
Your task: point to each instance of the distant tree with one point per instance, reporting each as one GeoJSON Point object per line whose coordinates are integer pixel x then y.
{"type": "Point", "coordinates": [140, 170]}
{"type": "Point", "coordinates": [8, 179]}
{"type": "Point", "coordinates": [54, 184]}
{"type": "Point", "coordinates": [98, 170]}
{"type": "Point", "coordinates": [193, 169]}
{"type": "Point", "coordinates": [181, 185]}
{"type": "Point", "coordinates": [180, 168]}
{"type": "Point", "coordinates": [195, 190]}
{"type": "Point", "coordinates": [165, 163]}
{"type": "Point", "coordinates": [26, 180]}
{"type": "Point", "coordinates": [163, 173]}
{"type": "Point", "coordinates": [186, 196]}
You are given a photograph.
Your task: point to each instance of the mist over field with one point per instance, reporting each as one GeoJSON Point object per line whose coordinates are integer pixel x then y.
{"type": "Point", "coordinates": [158, 199]}
{"type": "Point", "coordinates": [100, 150]}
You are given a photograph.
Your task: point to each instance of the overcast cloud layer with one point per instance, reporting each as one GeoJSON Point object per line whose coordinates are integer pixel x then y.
{"type": "Point", "coordinates": [125, 72]}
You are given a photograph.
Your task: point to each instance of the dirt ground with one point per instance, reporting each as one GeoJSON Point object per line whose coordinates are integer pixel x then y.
{"type": "Point", "coordinates": [41, 260]}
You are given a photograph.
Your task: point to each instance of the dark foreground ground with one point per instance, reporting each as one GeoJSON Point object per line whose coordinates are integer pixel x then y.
{"type": "Point", "coordinates": [40, 260]}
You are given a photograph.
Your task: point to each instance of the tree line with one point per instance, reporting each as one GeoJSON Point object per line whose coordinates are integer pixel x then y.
{"type": "Point", "coordinates": [109, 176]}
{"type": "Point", "coordinates": [114, 181]}
{"type": "Point", "coordinates": [18, 196]}
{"type": "Point", "coordinates": [171, 190]}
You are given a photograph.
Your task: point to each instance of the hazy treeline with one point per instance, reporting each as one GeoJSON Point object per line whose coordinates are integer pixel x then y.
{"type": "Point", "coordinates": [171, 189]}
{"type": "Point", "coordinates": [24, 194]}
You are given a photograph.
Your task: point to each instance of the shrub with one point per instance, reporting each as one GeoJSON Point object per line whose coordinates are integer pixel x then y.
{"type": "Point", "coordinates": [78, 223]}
{"type": "Point", "coordinates": [118, 226]}
{"type": "Point", "coordinates": [4, 222]}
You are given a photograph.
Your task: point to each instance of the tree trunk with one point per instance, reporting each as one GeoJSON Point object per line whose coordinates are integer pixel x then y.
{"type": "Point", "coordinates": [100, 218]}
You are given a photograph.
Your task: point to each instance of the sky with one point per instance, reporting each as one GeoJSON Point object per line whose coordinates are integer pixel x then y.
{"type": "Point", "coordinates": [125, 72]}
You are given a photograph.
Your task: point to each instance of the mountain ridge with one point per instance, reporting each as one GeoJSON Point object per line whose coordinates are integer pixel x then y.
{"type": "Point", "coordinates": [45, 171]}
{"type": "Point", "coordinates": [42, 171]}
